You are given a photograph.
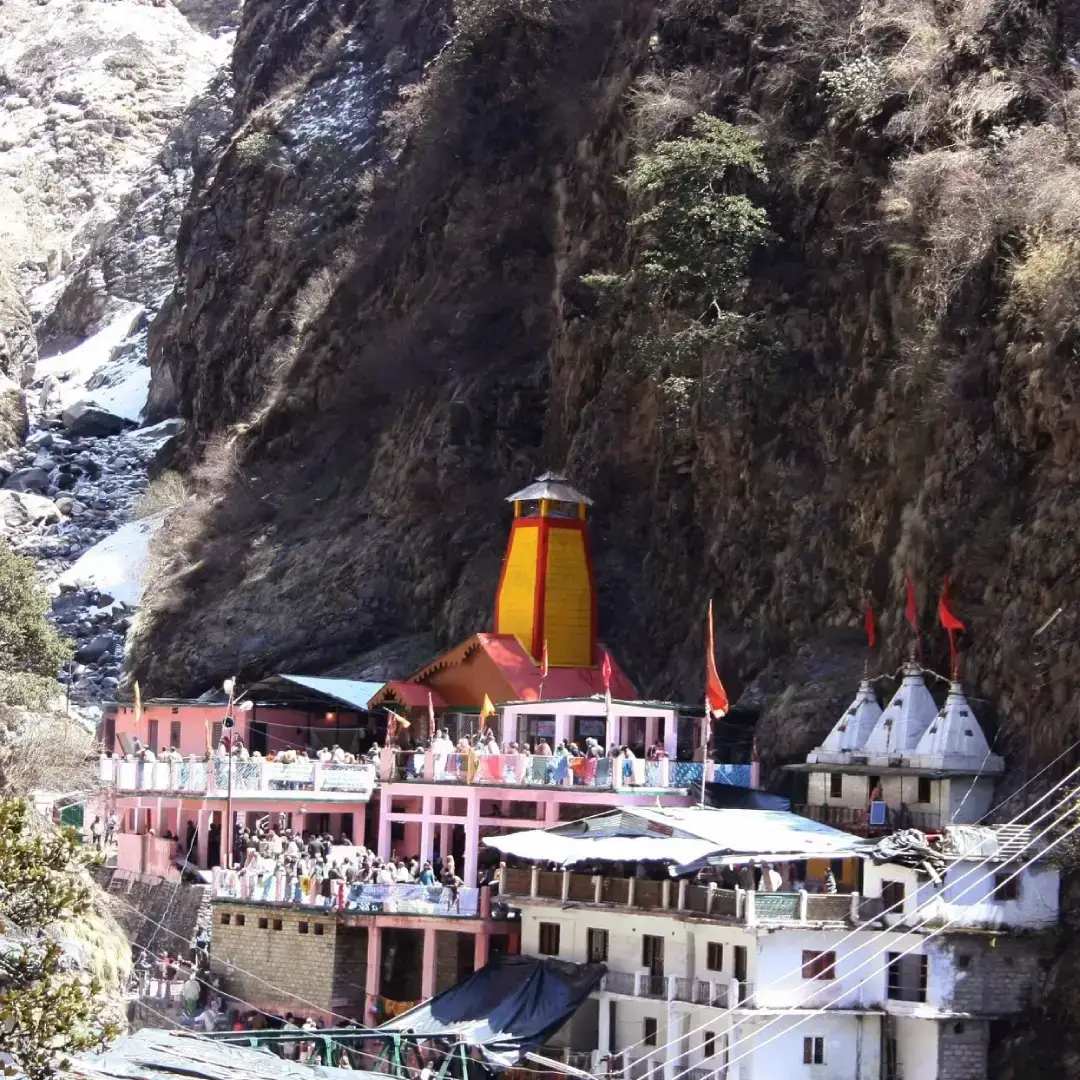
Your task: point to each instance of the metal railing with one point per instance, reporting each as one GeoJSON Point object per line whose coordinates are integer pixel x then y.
{"type": "Point", "coordinates": [284, 888]}
{"type": "Point", "coordinates": [525, 769]}
{"type": "Point", "coordinates": [709, 901]}
{"type": "Point", "coordinates": [642, 984]}
{"type": "Point", "coordinates": [248, 777]}
{"type": "Point", "coordinates": [856, 817]}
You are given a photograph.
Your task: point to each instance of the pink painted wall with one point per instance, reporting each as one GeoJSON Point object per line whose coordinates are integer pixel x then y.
{"type": "Point", "coordinates": [144, 854]}
{"type": "Point", "coordinates": [192, 718]}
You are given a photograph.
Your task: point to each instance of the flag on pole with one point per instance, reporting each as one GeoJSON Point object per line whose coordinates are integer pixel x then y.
{"type": "Point", "coordinates": [605, 671]}
{"type": "Point", "coordinates": [911, 613]}
{"type": "Point", "coordinates": [871, 626]}
{"type": "Point", "coordinates": [952, 624]}
{"type": "Point", "coordinates": [486, 710]}
{"type": "Point", "coordinates": [138, 705]}
{"type": "Point", "coordinates": [716, 699]}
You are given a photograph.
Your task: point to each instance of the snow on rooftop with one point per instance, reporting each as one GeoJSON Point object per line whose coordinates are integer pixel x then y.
{"type": "Point", "coordinates": [115, 565]}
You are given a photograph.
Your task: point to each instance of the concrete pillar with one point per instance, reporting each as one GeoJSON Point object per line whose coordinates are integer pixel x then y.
{"type": "Point", "coordinates": [551, 813]}
{"type": "Point", "coordinates": [202, 844]}
{"type": "Point", "coordinates": [604, 1033]}
{"type": "Point", "coordinates": [445, 837]}
{"type": "Point", "coordinates": [472, 837]}
{"type": "Point", "coordinates": [374, 973]}
{"type": "Point", "coordinates": [359, 824]}
{"type": "Point", "coordinates": [384, 826]}
{"type": "Point", "coordinates": [427, 975]}
{"type": "Point", "coordinates": [427, 829]}
{"type": "Point", "coordinates": [562, 728]}
{"type": "Point", "coordinates": [650, 731]}
{"type": "Point", "coordinates": [481, 945]}
{"type": "Point", "coordinates": [671, 735]}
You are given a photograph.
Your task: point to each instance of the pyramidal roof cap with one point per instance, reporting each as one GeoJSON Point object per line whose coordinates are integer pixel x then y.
{"type": "Point", "coordinates": [954, 732]}
{"type": "Point", "coordinates": [853, 728]}
{"type": "Point", "coordinates": [552, 485]}
{"type": "Point", "coordinates": [906, 718]}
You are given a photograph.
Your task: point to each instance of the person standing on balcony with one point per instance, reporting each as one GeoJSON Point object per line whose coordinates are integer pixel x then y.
{"type": "Point", "coordinates": [427, 875]}
{"type": "Point", "coordinates": [770, 878]}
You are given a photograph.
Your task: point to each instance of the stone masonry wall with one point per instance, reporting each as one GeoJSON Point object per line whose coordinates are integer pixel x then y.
{"type": "Point", "coordinates": [962, 1049]}
{"type": "Point", "coordinates": [284, 959]}
{"type": "Point", "coordinates": [996, 976]}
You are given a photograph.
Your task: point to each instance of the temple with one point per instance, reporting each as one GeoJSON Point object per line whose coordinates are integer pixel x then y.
{"type": "Point", "coordinates": [545, 602]}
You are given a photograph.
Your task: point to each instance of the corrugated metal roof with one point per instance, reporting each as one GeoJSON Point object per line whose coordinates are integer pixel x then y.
{"type": "Point", "coordinates": [552, 486]}
{"type": "Point", "coordinates": [153, 1054]}
{"type": "Point", "coordinates": [349, 692]}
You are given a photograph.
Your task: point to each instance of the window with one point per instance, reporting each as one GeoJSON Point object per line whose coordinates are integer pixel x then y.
{"type": "Point", "coordinates": [549, 939]}
{"type": "Point", "coordinates": [152, 735]}
{"type": "Point", "coordinates": [1006, 887]}
{"type": "Point", "coordinates": [925, 794]}
{"type": "Point", "coordinates": [264, 924]}
{"type": "Point", "coordinates": [893, 895]}
{"type": "Point", "coordinates": [714, 956]}
{"type": "Point", "coordinates": [813, 1050]}
{"type": "Point", "coordinates": [836, 785]}
{"type": "Point", "coordinates": [650, 1031]}
{"type": "Point", "coordinates": [277, 924]}
{"type": "Point", "coordinates": [708, 1044]}
{"type": "Point", "coordinates": [240, 920]}
{"type": "Point", "coordinates": [320, 929]}
{"type": "Point", "coordinates": [963, 961]}
{"type": "Point", "coordinates": [215, 735]}
{"type": "Point", "coordinates": [907, 977]}
{"type": "Point", "coordinates": [174, 734]}
{"type": "Point", "coordinates": [597, 945]}
{"type": "Point", "coordinates": [818, 965]}
{"type": "Point", "coordinates": [175, 709]}
{"type": "Point", "coordinates": [226, 918]}
{"type": "Point", "coordinates": [302, 928]}
{"type": "Point", "coordinates": [652, 954]}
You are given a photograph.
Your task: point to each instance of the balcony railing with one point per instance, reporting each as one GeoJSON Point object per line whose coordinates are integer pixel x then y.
{"type": "Point", "coordinates": [642, 984]}
{"type": "Point", "coordinates": [855, 817]}
{"type": "Point", "coordinates": [533, 770]}
{"type": "Point", "coordinates": [282, 888]}
{"type": "Point", "coordinates": [249, 778]}
{"type": "Point", "coordinates": [736, 904]}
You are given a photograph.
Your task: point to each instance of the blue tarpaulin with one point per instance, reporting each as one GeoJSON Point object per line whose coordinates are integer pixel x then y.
{"type": "Point", "coordinates": [507, 1008]}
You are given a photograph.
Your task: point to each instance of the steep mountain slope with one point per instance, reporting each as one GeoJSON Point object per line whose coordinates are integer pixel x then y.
{"type": "Point", "coordinates": [382, 327]}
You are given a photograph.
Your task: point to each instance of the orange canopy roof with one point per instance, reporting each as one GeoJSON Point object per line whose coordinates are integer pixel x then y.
{"type": "Point", "coordinates": [519, 673]}
{"type": "Point", "coordinates": [412, 694]}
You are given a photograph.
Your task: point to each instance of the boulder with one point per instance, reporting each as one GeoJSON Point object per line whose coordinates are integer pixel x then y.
{"type": "Point", "coordinates": [24, 508]}
{"type": "Point", "coordinates": [85, 418]}
{"type": "Point", "coordinates": [94, 649]}
{"type": "Point", "coordinates": [33, 479]}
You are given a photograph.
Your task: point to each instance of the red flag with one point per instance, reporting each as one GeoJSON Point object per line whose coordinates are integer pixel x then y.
{"type": "Point", "coordinates": [605, 670]}
{"type": "Point", "coordinates": [945, 611]}
{"type": "Point", "coordinates": [716, 699]}
{"type": "Point", "coordinates": [871, 626]}
{"type": "Point", "coordinates": [544, 661]}
{"type": "Point", "coordinates": [911, 612]}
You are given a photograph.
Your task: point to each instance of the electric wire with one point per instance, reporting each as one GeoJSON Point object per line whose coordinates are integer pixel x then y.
{"type": "Point", "coordinates": [862, 927]}
{"type": "Point", "coordinates": [895, 935]}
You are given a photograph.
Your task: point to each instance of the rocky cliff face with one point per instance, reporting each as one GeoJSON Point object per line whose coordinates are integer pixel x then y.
{"type": "Point", "coordinates": [381, 328]}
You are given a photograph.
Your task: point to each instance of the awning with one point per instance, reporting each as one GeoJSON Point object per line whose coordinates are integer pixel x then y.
{"type": "Point", "coordinates": [538, 845]}
{"type": "Point", "coordinates": [681, 836]}
{"type": "Point", "coordinates": [507, 1008]}
{"type": "Point", "coordinates": [351, 692]}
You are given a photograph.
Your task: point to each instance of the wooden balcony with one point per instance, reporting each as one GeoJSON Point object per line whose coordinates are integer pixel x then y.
{"type": "Point", "coordinates": [682, 897]}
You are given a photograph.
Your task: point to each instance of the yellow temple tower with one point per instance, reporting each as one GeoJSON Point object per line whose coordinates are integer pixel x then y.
{"type": "Point", "coordinates": [546, 591]}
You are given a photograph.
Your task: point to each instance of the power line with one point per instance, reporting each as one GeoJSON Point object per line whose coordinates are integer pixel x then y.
{"type": "Point", "coordinates": [863, 926]}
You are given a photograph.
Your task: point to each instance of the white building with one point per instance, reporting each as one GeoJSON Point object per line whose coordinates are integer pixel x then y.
{"type": "Point", "coordinates": [711, 983]}
{"type": "Point", "coordinates": [922, 766]}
